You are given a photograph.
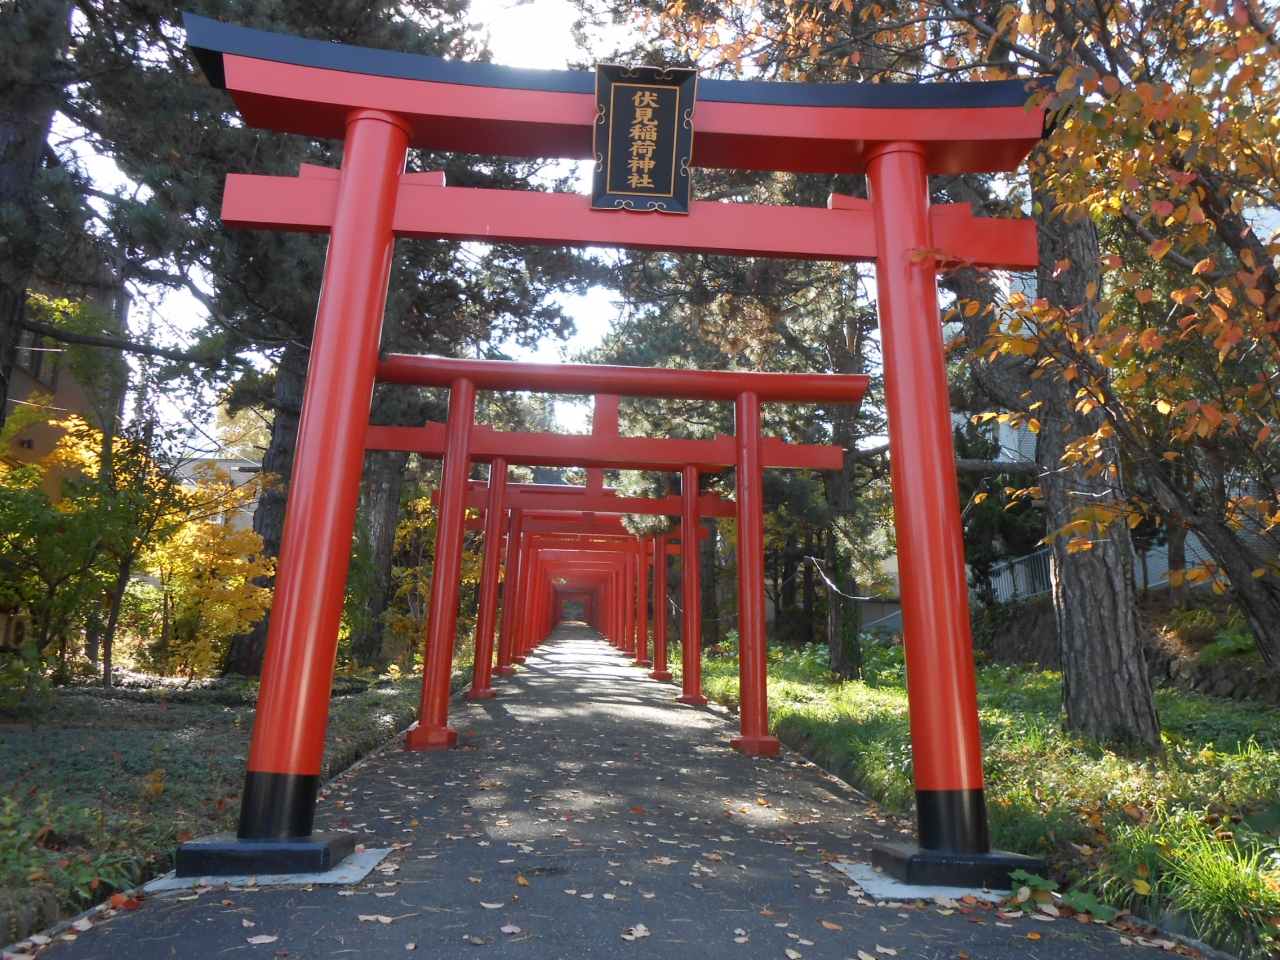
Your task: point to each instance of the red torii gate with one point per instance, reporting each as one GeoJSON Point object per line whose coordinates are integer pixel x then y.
{"type": "Point", "coordinates": [382, 103]}
{"type": "Point", "coordinates": [608, 509]}
{"type": "Point", "coordinates": [605, 448]}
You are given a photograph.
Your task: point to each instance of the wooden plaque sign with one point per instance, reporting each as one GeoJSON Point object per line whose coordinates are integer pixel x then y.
{"type": "Point", "coordinates": [643, 138]}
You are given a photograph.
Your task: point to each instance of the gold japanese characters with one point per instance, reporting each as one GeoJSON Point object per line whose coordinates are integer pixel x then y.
{"type": "Point", "coordinates": [643, 138]}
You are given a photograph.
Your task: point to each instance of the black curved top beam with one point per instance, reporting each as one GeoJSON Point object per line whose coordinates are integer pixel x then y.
{"type": "Point", "coordinates": [210, 39]}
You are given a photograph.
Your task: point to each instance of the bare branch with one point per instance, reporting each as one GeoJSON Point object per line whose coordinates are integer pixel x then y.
{"type": "Point", "coordinates": [84, 339]}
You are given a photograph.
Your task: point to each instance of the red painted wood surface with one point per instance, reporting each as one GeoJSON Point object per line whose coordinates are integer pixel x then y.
{"type": "Point", "coordinates": [315, 102]}
{"type": "Point", "coordinates": [617, 453]}
{"type": "Point", "coordinates": [843, 232]}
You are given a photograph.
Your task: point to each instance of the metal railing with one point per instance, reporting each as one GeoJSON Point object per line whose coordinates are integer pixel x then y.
{"type": "Point", "coordinates": [1020, 578]}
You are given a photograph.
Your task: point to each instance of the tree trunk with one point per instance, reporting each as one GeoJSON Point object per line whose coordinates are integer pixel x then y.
{"type": "Point", "coordinates": [842, 618]}
{"type": "Point", "coordinates": [37, 33]}
{"type": "Point", "coordinates": [807, 599]}
{"type": "Point", "coordinates": [113, 618]}
{"type": "Point", "coordinates": [380, 511]}
{"type": "Point", "coordinates": [244, 655]}
{"type": "Point", "coordinates": [1106, 690]}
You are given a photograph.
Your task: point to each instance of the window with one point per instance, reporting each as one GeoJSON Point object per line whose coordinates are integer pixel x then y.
{"type": "Point", "coordinates": [37, 359]}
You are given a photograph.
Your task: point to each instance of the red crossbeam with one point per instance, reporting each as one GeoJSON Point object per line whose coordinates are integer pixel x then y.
{"type": "Point", "coordinates": [589, 378]}
{"type": "Point", "coordinates": [426, 209]}
{"type": "Point", "coordinates": [617, 453]}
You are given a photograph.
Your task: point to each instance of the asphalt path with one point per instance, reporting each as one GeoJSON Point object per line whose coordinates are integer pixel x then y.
{"type": "Point", "coordinates": [586, 814]}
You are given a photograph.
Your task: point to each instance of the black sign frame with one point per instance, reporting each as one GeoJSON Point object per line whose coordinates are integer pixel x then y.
{"type": "Point", "coordinates": [643, 138]}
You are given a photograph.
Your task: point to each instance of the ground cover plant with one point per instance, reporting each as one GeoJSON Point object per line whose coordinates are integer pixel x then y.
{"type": "Point", "coordinates": [100, 786]}
{"type": "Point", "coordinates": [1189, 839]}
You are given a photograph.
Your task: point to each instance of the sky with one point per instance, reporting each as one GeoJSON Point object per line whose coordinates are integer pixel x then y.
{"type": "Point", "coordinates": [539, 35]}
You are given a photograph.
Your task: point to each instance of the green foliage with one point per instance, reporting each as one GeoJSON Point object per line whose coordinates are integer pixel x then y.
{"type": "Point", "coordinates": [1082, 901]}
{"type": "Point", "coordinates": [998, 523]}
{"type": "Point", "coordinates": [1235, 642]}
{"type": "Point", "coordinates": [1033, 880]}
{"type": "Point", "coordinates": [48, 558]}
{"type": "Point", "coordinates": [1185, 869]}
{"type": "Point", "coordinates": [41, 842]}
{"type": "Point", "coordinates": [125, 774]}
{"type": "Point", "coordinates": [1196, 828]}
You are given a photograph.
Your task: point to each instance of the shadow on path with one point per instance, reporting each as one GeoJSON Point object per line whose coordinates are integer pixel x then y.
{"type": "Point", "coordinates": [580, 803]}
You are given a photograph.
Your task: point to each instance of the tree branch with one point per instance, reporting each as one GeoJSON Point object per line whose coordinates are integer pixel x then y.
{"type": "Point", "coordinates": [84, 339]}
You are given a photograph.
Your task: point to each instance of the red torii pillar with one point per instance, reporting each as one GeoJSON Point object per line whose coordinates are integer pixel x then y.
{"type": "Point", "coordinates": [642, 598]}
{"type": "Point", "coordinates": [660, 671]}
{"type": "Point", "coordinates": [297, 671]}
{"type": "Point", "coordinates": [946, 742]}
{"type": "Point", "coordinates": [690, 593]}
{"type": "Point", "coordinates": [510, 596]}
{"type": "Point", "coordinates": [482, 669]}
{"type": "Point", "coordinates": [752, 655]}
{"type": "Point", "coordinates": [433, 731]}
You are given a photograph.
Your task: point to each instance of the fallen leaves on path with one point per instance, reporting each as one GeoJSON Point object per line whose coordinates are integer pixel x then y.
{"type": "Point", "coordinates": [262, 938]}
{"type": "Point", "coordinates": [636, 932]}
{"type": "Point", "coordinates": [831, 926]}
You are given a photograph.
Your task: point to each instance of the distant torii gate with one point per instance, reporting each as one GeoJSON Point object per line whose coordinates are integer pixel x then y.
{"type": "Point", "coordinates": [747, 452]}
{"type": "Point", "coordinates": [382, 103]}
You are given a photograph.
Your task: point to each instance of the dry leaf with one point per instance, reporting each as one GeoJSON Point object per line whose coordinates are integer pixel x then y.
{"type": "Point", "coordinates": [510, 928]}
{"type": "Point", "coordinates": [831, 926]}
{"type": "Point", "coordinates": [522, 881]}
{"type": "Point", "coordinates": [740, 940]}
{"type": "Point", "coordinates": [794, 954]}
{"type": "Point", "coordinates": [887, 951]}
{"type": "Point", "coordinates": [491, 906]}
{"type": "Point", "coordinates": [377, 917]}
{"type": "Point", "coordinates": [572, 893]}
{"type": "Point", "coordinates": [475, 879]}
{"type": "Point", "coordinates": [247, 923]}
{"type": "Point", "coordinates": [648, 896]}
{"type": "Point", "coordinates": [1033, 936]}
{"type": "Point", "coordinates": [263, 938]}
{"type": "Point", "coordinates": [636, 932]}
{"type": "Point", "coordinates": [863, 955]}
{"type": "Point", "coordinates": [83, 924]}
{"type": "Point", "coordinates": [475, 941]}
{"type": "Point", "coordinates": [411, 945]}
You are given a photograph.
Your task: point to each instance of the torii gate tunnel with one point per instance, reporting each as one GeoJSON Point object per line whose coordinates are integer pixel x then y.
{"type": "Point", "coordinates": [461, 442]}
{"type": "Point", "coordinates": [380, 104]}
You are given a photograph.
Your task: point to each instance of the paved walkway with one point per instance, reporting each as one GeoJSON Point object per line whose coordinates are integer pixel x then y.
{"type": "Point", "coordinates": [582, 805]}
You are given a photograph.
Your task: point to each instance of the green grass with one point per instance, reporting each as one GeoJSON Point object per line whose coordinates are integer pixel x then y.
{"type": "Point", "coordinates": [1188, 839]}
{"type": "Point", "coordinates": [99, 788]}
